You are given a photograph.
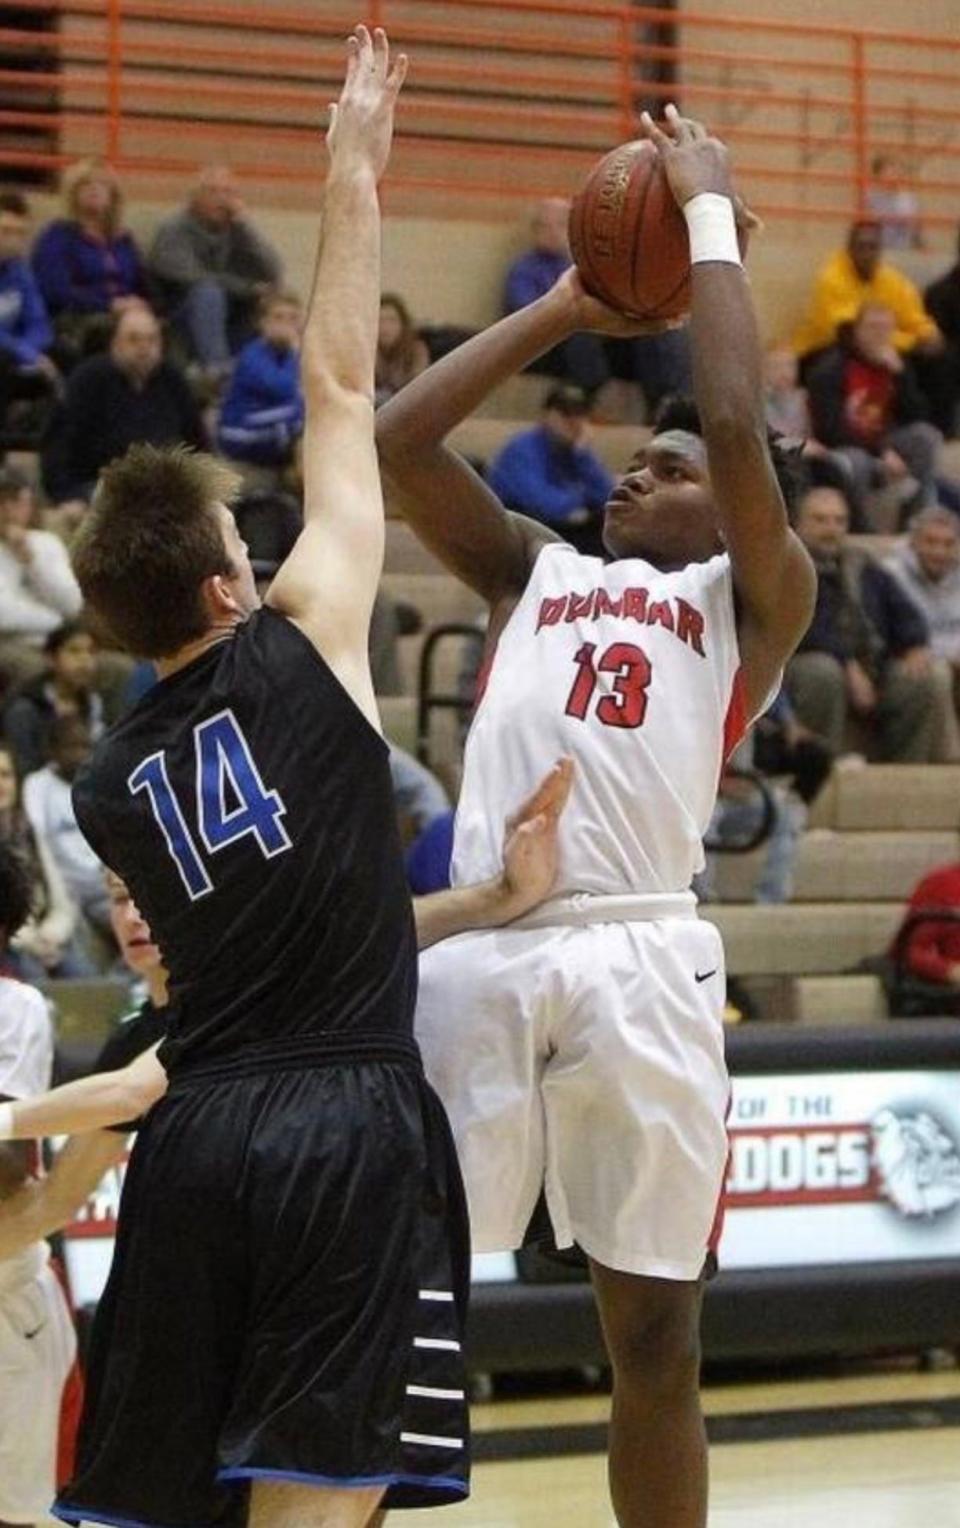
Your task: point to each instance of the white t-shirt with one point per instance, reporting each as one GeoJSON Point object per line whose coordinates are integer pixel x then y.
{"type": "Point", "coordinates": [26, 1067]}
{"type": "Point", "coordinates": [631, 672]}
{"type": "Point", "coordinates": [39, 595]}
{"type": "Point", "coordinates": [48, 803]}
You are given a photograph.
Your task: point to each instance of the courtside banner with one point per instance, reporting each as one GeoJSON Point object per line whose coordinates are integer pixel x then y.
{"type": "Point", "coordinates": [843, 1168]}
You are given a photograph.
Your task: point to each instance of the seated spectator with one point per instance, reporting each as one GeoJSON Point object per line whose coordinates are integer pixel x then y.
{"type": "Point", "coordinates": [550, 473]}
{"type": "Point", "coordinates": [401, 353]}
{"type": "Point", "coordinates": [261, 420]}
{"type": "Point", "coordinates": [429, 856]}
{"type": "Point", "coordinates": [46, 945]}
{"type": "Point", "coordinates": [213, 266]}
{"type": "Point", "coordinates": [931, 952]}
{"type": "Point", "coordinates": [738, 816]}
{"type": "Point", "coordinates": [420, 798]}
{"type": "Point", "coordinates": [788, 407]}
{"type": "Point", "coordinates": [858, 275]}
{"type": "Point", "coordinates": [581, 359]}
{"type": "Point", "coordinates": [26, 371]}
{"type": "Point", "coordinates": [927, 567]}
{"type": "Point", "coordinates": [131, 395]}
{"type": "Point", "coordinates": [867, 654]}
{"type": "Point", "coordinates": [866, 407]}
{"type": "Point", "coordinates": [38, 590]}
{"type": "Point", "coordinates": [893, 205]}
{"type": "Point", "coordinates": [48, 803]}
{"type": "Point", "coordinates": [67, 688]}
{"type": "Point", "coordinates": [87, 264]}
{"type": "Point", "coordinates": [782, 745]}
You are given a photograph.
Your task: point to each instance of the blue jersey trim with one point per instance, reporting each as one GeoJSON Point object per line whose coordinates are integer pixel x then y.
{"type": "Point", "coordinates": [92, 1515]}
{"type": "Point", "coordinates": [348, 1483]}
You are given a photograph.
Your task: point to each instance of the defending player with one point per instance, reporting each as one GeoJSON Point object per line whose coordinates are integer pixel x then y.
{"type": "Point", "coordinates": [37, 1341]}
{"type": "Point", "coordinates": [601, 1071]}
{"type": "Point", "coordinates": [279, 1339]}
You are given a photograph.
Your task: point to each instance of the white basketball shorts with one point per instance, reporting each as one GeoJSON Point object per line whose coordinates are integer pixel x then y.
{"type": "Point", "coordinates": [586, 1058]}
{"type": "Point", "coordinates": [37, 1350]}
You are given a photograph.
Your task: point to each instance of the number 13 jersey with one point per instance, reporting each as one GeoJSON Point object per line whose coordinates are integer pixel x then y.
{"type": "Point", "coordinates": [634, 674]}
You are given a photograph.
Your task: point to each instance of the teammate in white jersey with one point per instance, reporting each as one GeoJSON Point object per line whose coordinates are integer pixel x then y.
{"type": "Point", "coordinates": [581, 1048]}
{"type": "Point", "coordinates": [37, 1341]}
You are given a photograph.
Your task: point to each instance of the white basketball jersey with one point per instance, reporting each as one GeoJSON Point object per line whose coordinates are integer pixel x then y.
{"type": "Point", "coordinates": [631, 672]}
{"type": "Point", "coordinates": [26, 1064]}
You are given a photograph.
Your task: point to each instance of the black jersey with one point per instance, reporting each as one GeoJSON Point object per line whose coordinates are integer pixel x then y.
{"type": "Point", "coordinates": [135, 1033]}
{"type": "Point", "coordinates": [246, 802]}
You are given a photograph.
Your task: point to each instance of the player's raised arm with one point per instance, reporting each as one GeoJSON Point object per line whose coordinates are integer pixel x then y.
{"type": "Point", "coordinates": [92, 1103]}
{"type": "Point", "coordinates": [772, 572]}
{"type": "Point", "coordinates": [329, 582]}
{"type": "Point", "coordinates": [449, 506]}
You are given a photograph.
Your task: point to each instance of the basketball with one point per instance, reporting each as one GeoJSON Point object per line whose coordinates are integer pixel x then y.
{"type": "Point", "coordinates": [628, 237]}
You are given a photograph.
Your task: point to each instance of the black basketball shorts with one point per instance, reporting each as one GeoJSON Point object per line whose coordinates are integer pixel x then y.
{"type": "Point", "coordinates": [287, 1298]}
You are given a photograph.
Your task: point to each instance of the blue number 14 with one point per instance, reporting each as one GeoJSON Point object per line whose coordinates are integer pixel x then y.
{"type": "Point", "coordinates": [224, 763]}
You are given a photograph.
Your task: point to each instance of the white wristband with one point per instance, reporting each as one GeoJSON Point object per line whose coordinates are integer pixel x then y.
{"type": "Point", "coordinates": [6, 1122]}
{"type": "Point", "coordinates": [712, 228]}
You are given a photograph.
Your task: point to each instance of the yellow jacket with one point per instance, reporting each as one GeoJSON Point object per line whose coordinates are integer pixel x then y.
{"type": "Point", "coordinates": [839, 294]}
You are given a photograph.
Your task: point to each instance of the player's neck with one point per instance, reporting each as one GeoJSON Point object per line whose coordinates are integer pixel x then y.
{"type": "Point", "coordinates": [191, 651]}
{"type": "Point", "coordinates": [157, 987]}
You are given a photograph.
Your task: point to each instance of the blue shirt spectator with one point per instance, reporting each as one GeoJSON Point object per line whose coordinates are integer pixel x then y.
{"type": "Point", "coordinates": [262, 414]}
{"type": "Point", "coordinates": [79, 273]}
{"type": "Point", "coordinates": [429, 856]}
{"type": "Point", "coordinates": [549, 472]}
{"type": "Point", "coordinates": [25, 329]}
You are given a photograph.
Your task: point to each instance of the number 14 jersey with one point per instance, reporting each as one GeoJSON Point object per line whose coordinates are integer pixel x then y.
{"type": "Point", "coordinates": [633, 673]}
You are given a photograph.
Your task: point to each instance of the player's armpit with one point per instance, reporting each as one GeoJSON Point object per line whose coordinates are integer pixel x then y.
{"type": "Point", "coordinates": [92, 1103]}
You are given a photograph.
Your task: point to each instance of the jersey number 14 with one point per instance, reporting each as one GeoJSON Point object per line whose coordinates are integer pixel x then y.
{"type": "Point", "coordinates": [223, 762]}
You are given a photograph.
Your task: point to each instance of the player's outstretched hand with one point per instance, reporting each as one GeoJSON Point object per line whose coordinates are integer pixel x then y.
{"type": "Point", "coordinates": [588, 312]}
{"type": "Point", "coordinates": [530, 842]}
{"type": "Point", "coordinates": [693, 161]}
{"type": "Point", "coordinates": [361, 122]}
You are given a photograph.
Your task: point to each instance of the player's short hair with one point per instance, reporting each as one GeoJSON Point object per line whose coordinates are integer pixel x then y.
{"type": "Point", "coordinates": [16, 893]}
{"type": "Point", "coordinates": [14, 202]}
{"type": "Point", "coordinates": [61, 635]}
{"type": "Point", "coordinates": [680, 413]}
{"type": "Point", "coordinates": [147, 543]}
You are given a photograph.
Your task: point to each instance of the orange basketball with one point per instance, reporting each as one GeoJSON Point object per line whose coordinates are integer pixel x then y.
{"type": "Point", "coordinates": [628, 237]}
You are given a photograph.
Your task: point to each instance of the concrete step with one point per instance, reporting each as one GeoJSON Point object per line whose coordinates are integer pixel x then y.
{"type": "Point", "coordinates": [839, 1000]}
{"type": "Point", "coordinates": [837, 867]}
{"type": "Point", "coordinates": [890, 796]}
{"type": "Point", "coordinates": [803, 939]}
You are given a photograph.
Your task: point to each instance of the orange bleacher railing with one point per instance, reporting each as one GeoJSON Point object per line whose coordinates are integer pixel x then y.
{"type": "Point", "coordinates": [506, 99]}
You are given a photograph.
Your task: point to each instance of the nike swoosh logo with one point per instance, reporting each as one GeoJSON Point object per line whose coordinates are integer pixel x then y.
{"type": "Point", "coordinates": [35, 1333]}
{"type": "Point", "coordinates": [704, 976]}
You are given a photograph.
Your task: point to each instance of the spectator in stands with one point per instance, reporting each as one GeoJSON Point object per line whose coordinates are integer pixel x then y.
{"type": "Point", "coordinates": [213, 266]}
{"type": "Point", "coordinates": [401, 353]}
{"type": "Point", "coordinates": [931, 952]}
{"type": "Point", "coordinates": [26, 371]}
{"type": "Point", "coordinates": [87, 264]}
{"type": "Point", "coordinates": [853, 277]}
{"type": "Point", "coordinates": [418, 794]}
{"type": "Point", "coordinates": [67, 688]}
{"type": "Point", "coordinates": [550, 472]}
{"type": "Point", "coordinates": [788, 407]}
{"type": "Point", "coordinates": [867, 408]}
{"type": "Point", "coordinates": [928, 568]}
{"type": "Point", "coordinates": [261, 420]}
{"type": "Point", "coordinates": [893, 205]}
{"type": "Point", "coordinates": [858, 275]}
{"type": "Point", "coordinates": [112, 401]}
{"type": "Point", "coordinates": [740, 812]}
{"type": "Point", "coordinates": [581, 359]}
{"type": "Point", "coordinates": [38, 590]}
{"type": "Point", "coordinates": [867, 653]}
{"type": "Point", "coordinates": [45, 945]}
{"type": "Point", "coordinates": [48, 804]}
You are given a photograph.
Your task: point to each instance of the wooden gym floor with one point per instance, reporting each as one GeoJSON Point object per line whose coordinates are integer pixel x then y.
{"type": "Point", "coordinates": [875, 1450]}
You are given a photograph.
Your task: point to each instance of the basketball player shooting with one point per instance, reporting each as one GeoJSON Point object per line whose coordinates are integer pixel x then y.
{"type": "Point", "coordinates": [279, 1340]}
{"type": "Point", "coordinates": [601, 1072]}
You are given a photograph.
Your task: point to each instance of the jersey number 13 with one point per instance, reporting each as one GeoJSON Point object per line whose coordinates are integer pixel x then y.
{"type": "Point", "coordinates": [223, 763]}
{"type": "Point", "coordinates": [627, 706]}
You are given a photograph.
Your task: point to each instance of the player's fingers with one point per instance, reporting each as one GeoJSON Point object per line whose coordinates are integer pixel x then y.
{"type": "Point", "coordinates": [381, 52]}
{"type": "Point", "coordinates": [398, 73]}
{"type": "Point", "coordinates": [537, 801]}
{"type": "Point", "coordinates": [331, 119]}
{"type": "Point", "coordinates": [353, 55]}
{"type": "Point", "coordinates": [364, 45]}
{"type": "Point", "coordinates": [656, 134]}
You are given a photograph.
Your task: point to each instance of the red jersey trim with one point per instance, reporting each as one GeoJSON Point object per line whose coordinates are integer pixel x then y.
{"type": "Point", "coordinates": [737, 721]}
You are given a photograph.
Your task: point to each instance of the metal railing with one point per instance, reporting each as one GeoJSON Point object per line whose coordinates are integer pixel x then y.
{"type": "Point", "coordinates": [506, 99]}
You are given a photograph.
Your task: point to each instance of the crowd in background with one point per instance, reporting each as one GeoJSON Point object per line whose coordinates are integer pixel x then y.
{"type": "Point", "coordinates": [195, 339]}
